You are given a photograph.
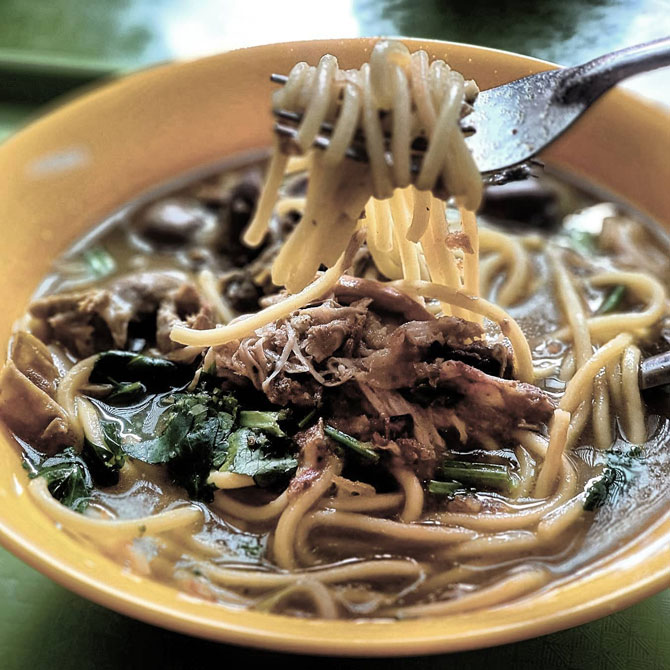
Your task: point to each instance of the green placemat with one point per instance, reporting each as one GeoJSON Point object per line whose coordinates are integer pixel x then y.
{"type": "Point", "coordinates": [44, 626]}
{"type": "Point", "coordinates": [128, 33]}
{"type": "Point", "coordinates": [11, 115]}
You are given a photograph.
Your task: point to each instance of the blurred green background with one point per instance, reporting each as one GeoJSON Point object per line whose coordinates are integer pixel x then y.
{"type": "Point", "coordinates": [51, 47]}
{"type": "Point", "coordinates": [127, 33]}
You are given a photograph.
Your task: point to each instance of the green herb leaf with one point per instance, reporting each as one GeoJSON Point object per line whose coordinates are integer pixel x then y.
{"type": "Point", "coordinates": [268, 422]}
{"type": "Point", "coordinates": [68, 479]}
{"type": "Point", "coordinates": [161, 448]}
{"type": "Point", "coordinates": [365, 450]}
{"type": "Point", "coordinates": [192, 439]}
{"type": "Point", "coordinates": [478, 475]}
{"type": "Point", "coordinates": [105, 460]}
{"type": "Point", "coordinates": [250, 453]}
{"type": "Point", "coordinates": [189, 465]}
{"type": "Point", "coordinates": [156, 374]}
{"type": "Point", "coordinates": [204, 430]}
{"type": "Point", "coordinates": [613, 300]}
{"type": "Point", "coordinates": [100, 262]}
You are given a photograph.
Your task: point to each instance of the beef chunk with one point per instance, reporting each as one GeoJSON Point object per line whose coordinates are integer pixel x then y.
{"type": "Point", "coordinates": [90, 321]}
{"type": "Point", "coordinates": [486, 404]}
{"type": "Point", "coordinates": [28, 406]}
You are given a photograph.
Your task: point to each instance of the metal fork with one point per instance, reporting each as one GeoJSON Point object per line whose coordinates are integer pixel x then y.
{"type": "Point", "coordinates": [512, 123]}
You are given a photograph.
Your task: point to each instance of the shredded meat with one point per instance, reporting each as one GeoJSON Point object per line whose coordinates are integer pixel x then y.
{"type": "Point", "coordinates": [400, 384]}
{"type": "Point", "coordinates": [279, 360]}
{"type": "Point", "coordinates": [90, 321]}
{"type": "Point", "coordinates": [394, 365]}
{"type": "Point", "coordinates": [335, 343]}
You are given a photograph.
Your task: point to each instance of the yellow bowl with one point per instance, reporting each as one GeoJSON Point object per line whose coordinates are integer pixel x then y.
{"type": "Point", "coordinates": [68, 170]}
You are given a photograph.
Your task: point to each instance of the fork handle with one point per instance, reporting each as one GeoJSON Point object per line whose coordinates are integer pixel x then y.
{"type": "Point", "coordinates": [585, 83]}
{"type": "Point", "coordinates": [655, 371]}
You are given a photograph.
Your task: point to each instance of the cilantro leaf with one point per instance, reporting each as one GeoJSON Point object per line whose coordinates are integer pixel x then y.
{"type": "Point", "coordinates": [195, 427]}
{"type": "Point", "coordinates": [162, 448]}
{"type": "Point", "coordinates": [68, 479]}
{"type": "Point", "coordinates": [204, 430]}
{"type": "Point", "coordinates": [106, 459]}
{"type": "Point", "coordinates": [250, 453]}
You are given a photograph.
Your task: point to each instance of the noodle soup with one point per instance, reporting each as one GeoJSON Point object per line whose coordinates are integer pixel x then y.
{"type": "Point", "coordinates": [435, 417]}
{"type": "Point", "coordinates": [352, 545]}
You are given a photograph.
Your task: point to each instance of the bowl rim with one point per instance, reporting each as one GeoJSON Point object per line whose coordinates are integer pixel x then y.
{"type": "Point", "coordinates": [370, 638]}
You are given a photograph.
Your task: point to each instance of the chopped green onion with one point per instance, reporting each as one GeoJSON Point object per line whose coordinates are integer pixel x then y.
{"type": "Point", "coordinates": [444, 488]}
{"type": "Point", "coordinates": [100, 262]}
{"type": "Point", "coordinates": [265, 421]}
{"type": "Point", "coordinates": [478, 475]}
{"type": "Point", "coordinates": [306, 419]}
{"type": "Point", "coordinates": [364, 449]}
{"type": "Point", "coordinates": [613, 300]}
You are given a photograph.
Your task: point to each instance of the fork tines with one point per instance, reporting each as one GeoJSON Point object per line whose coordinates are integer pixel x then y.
{"type": "Point", "coordinates": [287, 127]}
{"type": "Point", "coordinates": [288, 133]}
{"type": "Point", "coordinates": [290, 120]}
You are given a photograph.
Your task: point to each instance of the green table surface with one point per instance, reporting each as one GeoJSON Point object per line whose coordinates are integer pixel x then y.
{"type": "Point", "coordinates": [48, 48]}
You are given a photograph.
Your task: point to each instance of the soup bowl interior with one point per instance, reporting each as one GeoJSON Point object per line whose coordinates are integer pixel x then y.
{"type": "Point", "coordinates": [85, 159]}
